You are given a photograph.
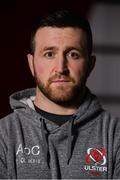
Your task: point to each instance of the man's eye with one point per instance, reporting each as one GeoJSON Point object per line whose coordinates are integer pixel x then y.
{"type": "Point", "coordinates": [49, 54]}
{"type": "Point", "coordinates": [73, 55]}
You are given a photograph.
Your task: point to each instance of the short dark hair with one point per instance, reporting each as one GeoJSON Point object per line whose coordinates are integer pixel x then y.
{"type": "Point", "coordinates": [62, 19]}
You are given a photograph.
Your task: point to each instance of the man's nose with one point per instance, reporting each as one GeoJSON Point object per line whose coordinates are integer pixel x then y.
{"type": "Point", "coordinates": [61, 65]}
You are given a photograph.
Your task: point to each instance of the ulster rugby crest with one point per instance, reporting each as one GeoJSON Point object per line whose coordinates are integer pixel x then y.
{"type": "Point", "coordinates": [96, 161]}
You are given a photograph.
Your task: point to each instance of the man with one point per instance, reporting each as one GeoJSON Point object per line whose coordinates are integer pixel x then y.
{"type": "Point", "coordinates": [59, 130]}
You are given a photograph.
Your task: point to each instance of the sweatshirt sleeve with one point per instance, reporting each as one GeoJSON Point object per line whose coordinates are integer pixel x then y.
{"type": "Point", "coordinates": [3, 164]}
{"type": "Point", "coordinates": [116, 174]}
{"type": "Point", "coordinates": [3, 152]}
{"type": "Point", "coordinates": [116, 151]}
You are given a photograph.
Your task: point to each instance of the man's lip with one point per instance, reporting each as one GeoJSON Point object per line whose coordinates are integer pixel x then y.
{"type": "Point", "coordinates": [60, 80]}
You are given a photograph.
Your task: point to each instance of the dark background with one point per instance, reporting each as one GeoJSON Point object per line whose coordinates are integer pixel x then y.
{"type": "Point", "coordinates": [16, 18]}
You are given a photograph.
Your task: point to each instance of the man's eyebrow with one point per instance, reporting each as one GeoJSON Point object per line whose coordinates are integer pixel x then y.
{"type": "Point", "coordinates": [67, 49]}
{"type": "Point", "coordinates": [72, 48]}
{"type": "Point", "coordinates": [49, 48]}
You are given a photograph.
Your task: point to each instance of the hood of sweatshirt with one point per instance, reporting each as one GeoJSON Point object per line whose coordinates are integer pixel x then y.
{"type": "Point", "coordinates": [24, 100]}
{"type": "Point", "coordinates": [88, 110]}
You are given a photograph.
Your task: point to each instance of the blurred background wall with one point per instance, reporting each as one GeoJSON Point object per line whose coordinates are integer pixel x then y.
{"type": "Point", "coordinates": [16, 17]}
{"type": "Point", "coordinates": [105, 79]}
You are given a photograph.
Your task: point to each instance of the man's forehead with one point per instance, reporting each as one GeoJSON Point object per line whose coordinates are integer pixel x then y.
{"type": "Point", "coordinates": [51, 36]}
{"type": "Point", "coordinates": [59, 30]}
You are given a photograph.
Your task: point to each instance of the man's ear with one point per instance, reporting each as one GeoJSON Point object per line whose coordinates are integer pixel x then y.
{"type": "Point", "coordinates": [91, 64]}
{"type": "Point", "coordinates": [30, 63]}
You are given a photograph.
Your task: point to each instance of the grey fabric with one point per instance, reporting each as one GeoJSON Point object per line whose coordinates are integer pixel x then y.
{"type": "Point", "coordinates": [31, 147]}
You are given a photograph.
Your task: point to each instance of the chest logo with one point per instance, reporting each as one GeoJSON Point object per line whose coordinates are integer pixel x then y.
{"type": "Point", "coordinates": [27, 154]}
{"type": "Point", "coordinates": [96, 161]}
{"type": "Point", "coordinates": [95, 155]}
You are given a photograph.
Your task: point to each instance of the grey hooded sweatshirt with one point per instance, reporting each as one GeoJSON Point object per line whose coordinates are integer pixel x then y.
{"type": "Point", "coordinates": [32, 147]}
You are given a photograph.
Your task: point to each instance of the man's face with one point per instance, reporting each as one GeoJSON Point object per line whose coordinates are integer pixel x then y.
{"type": "Point", "coordinates": [60, 63]}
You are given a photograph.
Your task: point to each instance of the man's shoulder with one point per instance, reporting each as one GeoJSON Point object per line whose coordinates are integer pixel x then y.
{"type": "Point", "coordinates": [111, 121]}
{"type": "Point", "coordinates": [7, 121]}
{"type": "Point", "coordinates": [108, 115]}
{"type": "Point", "coordinates": [5, 124]}
{"type": "Point", "coordinates": [6, 118]}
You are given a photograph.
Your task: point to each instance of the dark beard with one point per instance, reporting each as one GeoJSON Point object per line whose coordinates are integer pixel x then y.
{"type": "Point", "coordinates": [69, 100]}
{"type": "Point", "coordinates": [70, 97]}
